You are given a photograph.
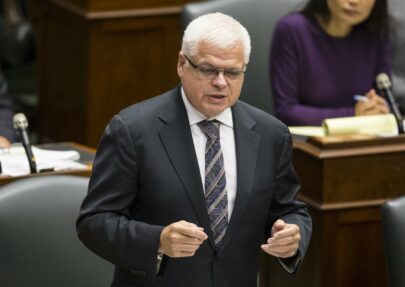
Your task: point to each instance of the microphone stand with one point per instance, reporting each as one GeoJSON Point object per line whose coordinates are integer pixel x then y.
{"type": "Point", "coordinates": [28, 151]}
{"type": "Point", "coordinates": [21, 124]}
{"type": "Point", "coordinates": [384, 85]}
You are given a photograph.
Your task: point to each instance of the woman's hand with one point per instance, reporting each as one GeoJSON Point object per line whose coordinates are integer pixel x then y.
{"type": "Point", "coordinates": [4, 142]}
{"type": "Point", "coordinates": [374, 105]}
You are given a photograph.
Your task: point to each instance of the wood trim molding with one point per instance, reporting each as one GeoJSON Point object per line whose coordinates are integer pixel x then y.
{"type": "Point", "coordinates": [341, 205]}
{"type": "Point", "coordinates": [348, 152]}
{"type": "Point", "coordinates": [116, 13]}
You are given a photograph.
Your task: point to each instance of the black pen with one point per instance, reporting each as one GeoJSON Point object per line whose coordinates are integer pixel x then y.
{"type": "Point", "coordinates": [1, 170]}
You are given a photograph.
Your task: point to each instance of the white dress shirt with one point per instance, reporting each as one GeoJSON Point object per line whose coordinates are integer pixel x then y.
{"type": "Point", "coordinates": [227, 140]}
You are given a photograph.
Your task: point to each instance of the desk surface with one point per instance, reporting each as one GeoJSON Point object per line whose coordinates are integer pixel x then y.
{"type": "Point", "coordinates": [347, 146]}
{"type": "Point", "coordinates": [86, 158]}
{"type": "Point", "coordinates": [86, 153]}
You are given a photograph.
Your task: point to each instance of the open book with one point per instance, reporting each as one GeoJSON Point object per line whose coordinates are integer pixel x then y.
{"type": "Point", "coordinates": [14, 160]}
{"type": "Point", "coordinates": [376, 125]}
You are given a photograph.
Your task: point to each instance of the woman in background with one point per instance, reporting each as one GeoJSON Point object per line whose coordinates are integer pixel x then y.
{"type": "Point", "coordinates": [326, 54]}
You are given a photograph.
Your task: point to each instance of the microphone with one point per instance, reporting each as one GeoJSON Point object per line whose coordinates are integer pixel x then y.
{"type": "Point", "coordinates": [384, 85]}
{"type": "Point", "coordinates": [21, 125]}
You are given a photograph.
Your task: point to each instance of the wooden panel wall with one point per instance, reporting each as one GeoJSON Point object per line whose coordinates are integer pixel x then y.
{"type": "Point", "coordinates": [97, 57]}
{"type": "Point", "coordinates": [108, 5]}
{"type": "Point", "coordinates": [346, 250]}
{"type": "Point", "coordinates": [344, 185]}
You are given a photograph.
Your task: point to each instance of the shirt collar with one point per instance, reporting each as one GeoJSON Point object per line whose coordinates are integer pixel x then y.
{"type": "Point", "coordinates": [195, 116]}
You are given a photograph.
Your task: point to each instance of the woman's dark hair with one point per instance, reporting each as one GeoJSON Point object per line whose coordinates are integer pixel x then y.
{"type": "Point", "coordinates": [377, 24]}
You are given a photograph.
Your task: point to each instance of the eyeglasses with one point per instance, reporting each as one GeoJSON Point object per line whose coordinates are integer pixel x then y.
{"type": "Point", "coordinates": [208, 72]}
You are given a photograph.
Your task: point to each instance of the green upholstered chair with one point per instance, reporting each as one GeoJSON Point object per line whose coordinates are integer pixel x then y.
{"type": "Point", "coordinates": [38, 242]}
{"type": "Point", "coordinates": [393, 223]}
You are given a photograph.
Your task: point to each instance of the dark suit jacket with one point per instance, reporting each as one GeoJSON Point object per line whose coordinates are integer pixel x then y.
{"type": "Point", "coordinates": [6, 111]}
{"type": "Point", "coordinates": [146, 176]}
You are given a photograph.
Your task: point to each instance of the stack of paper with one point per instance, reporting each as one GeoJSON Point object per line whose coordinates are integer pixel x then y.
{"type": "Point", "coordinates": [15, 163]}
{"type": "Point", "coordinates": [376, 125]}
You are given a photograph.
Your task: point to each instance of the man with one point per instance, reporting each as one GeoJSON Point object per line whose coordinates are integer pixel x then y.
{"type": "Point", "coordinates": [7, 134]}
{"type": "Point", "coordinates": [173, 203]}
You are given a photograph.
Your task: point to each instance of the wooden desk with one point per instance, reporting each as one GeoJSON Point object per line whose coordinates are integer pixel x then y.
{"type": "Point", "coordinates": [99, 56]}
{"type": "Point", "coordinates": [344, 184]}
{"type": "Point", "coordinates": [86, 157]}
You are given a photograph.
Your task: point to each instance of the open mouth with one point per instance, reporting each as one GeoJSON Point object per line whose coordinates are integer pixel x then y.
{"type": "Point", "coordinates": [217, 96]}
{"type": "Point", "coordinates": [216, 99]}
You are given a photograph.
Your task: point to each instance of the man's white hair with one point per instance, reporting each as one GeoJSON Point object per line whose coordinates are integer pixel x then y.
{"type": "Point", "coordinates": [216, 29]}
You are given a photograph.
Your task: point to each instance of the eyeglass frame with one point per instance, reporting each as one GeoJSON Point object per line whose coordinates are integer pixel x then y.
{"type": "Point", "coordinates": [207, 69]}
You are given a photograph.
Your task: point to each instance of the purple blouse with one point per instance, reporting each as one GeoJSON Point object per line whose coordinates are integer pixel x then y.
{"type": "Point", "coordinates": [315, 76]}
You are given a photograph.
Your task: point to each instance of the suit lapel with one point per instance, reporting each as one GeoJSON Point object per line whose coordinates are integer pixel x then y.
{"type": "Point", "coordinates": [177, 139]}
{"type": "Point", "coordinates": [247, 147]}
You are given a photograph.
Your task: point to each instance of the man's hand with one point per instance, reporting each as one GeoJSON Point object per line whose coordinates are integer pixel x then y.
{"type": "Point", "coordinates": [284, 240]}
{"type": "Point", "coordinates": [181, 239]}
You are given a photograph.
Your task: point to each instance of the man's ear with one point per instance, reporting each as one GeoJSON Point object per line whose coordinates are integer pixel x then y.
{"type": "Point", "coordinates": [181, 61]}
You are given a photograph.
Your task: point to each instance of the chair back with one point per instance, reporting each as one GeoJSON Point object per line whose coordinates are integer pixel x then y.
{"type": "Point", "coordinates": [38, 241]}
{"type": "Point", "coordinates": [396, 8]}
{"type": "Point", "coordinates": [259, 17]}
{"type": "Point", "coordinates": [393, 224]}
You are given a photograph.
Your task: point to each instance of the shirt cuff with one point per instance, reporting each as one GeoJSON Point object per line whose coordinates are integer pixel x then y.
{"type": "Point", "coordinates": [159, 261]}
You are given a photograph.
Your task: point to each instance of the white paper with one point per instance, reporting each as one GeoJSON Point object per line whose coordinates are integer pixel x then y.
{"type": "Point", "coordinates": [308, 131]}
{"type": "Point", "coordinates": [375, 125]}
{"type": "Point", "coordinates": [15, 163]}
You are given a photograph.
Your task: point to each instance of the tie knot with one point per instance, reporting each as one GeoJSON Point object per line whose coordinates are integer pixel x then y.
{"type": "Point", "coordinates": [210, 128]}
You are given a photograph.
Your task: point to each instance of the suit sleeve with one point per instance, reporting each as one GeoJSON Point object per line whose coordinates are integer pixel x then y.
{"type": "Point", "coordinates": [285, 206]}
{"type": "Point", "coordinates": [6, 111]}
{"type": "Point", "coordinates": [105, 224]}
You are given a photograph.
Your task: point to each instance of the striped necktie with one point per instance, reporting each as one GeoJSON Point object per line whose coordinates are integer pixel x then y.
{"type": "Point", "coordinates": [215, 181]}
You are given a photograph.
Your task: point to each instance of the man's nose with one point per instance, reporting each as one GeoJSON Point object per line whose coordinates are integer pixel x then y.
{"type": "Point", "coordinates": [220, 80]}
